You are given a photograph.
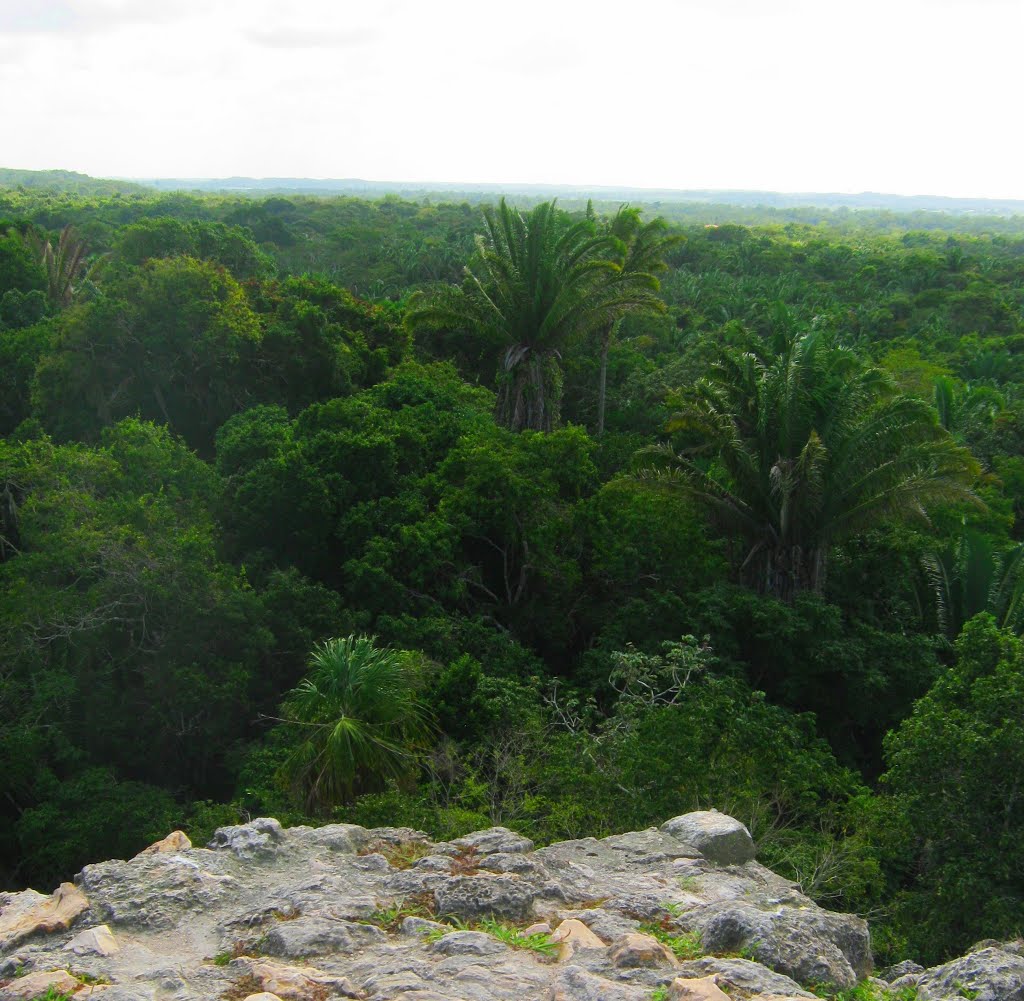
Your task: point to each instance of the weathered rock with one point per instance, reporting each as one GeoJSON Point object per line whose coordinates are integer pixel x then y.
{"type": "Point", "coordinates": [636, 950]}
{"type": "Point", "coordinates": [494, 840]}
{"type": "Point", "coordinates": [991, 974]}
{"type": "Point", "coordinates": [317, 934]}
{"type": "Point", "coordinates": [699, 989]}
{"type": "Point", "coordinates": [176, 841]}
{"type": "Point", "coordinates": [258, 837]}
{"type": "Point", "coordinates": [472, 898]}
{"type": "Point", "coordinates": [35, 985]}
{"type": "Point", "coordinates": [744, 975]}
{"type": "Point", "coordinates": [719, 838]}
{"type": "Point", "coordinates": [99, 940]}
{"type": "Point", "coordinates": [31, 913]}
{"type": "Point", "coordinates": [152, 891]}
{"type": "Point", "coordinates": [263, 996]}
{"type": "Point", "coordinates": [576, 984]}
{"type": "Point", "coordinates": [809, 944]}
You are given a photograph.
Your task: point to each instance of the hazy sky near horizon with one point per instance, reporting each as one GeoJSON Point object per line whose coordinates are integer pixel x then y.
{"type": "Point", "coordinates": [901, 96]}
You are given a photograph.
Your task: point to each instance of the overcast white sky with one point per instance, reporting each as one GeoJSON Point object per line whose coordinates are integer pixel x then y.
{"type": "Point", "coordinates": [904, 96]}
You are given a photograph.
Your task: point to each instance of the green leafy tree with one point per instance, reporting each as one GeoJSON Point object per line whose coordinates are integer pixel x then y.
{"type": "Point", "coordinates": [953, 814]}
{"type": "Point", "coordinates": [536, 280]}
{"type": "Point", "coordinates": [798, 448]}
{"type": "Point", "coordinates": [359, 720]}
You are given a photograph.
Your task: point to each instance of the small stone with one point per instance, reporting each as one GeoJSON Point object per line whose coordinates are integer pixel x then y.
{"type": "Point", "coordinates": [294, 983]}
{"type": "Point", "coordinates": [176, 841]}
{"type": "Point", "coordinates": [701, 989]}
{"type": "Point", "coordinates": [572, 935]}
{"type": "Point", "coordinates": [540, 928]}
{"type": "Point", "coordinates": [35, 985]}
{"type": "Point", "coordinates": [259, 836]}
{"type": "Point", "coordinates": [263, 996]}
{"type": "Point", "coordinates": [99, 940]}
{"type": "Point", "coordinates": [719, 838]}
{"type": "Point", "coordinates": [635, 950]}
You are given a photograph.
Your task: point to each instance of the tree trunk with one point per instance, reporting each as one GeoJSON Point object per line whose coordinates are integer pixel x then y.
{"type": "Point", "coordinates": [529, 396]}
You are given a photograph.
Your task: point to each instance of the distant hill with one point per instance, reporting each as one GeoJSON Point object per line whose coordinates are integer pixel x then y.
{"type": "Point", "coordinates": [477, 192]}
{"type": "Point", "coordinates": [66, 181]}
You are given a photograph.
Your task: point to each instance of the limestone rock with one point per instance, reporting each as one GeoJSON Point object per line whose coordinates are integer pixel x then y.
{"type": "Point", "coordinates": [746, 976]}
{"type": "Point", "coordinates": [719, 838]}
{"type": "Point", "coordinates": [99, 940]}
{"type": "Point", "coordinates": [176, 841]}
{"type": "Point", "coordinates": [636, 950]}
{"type": "Point", "coordinates": [31, 913]}
{"type": "Point", "coordinates": [699, 989]}
{"type": "Point", "coordinates": [991, 974]}
{"type": "Point", "coordinates": [263, 996]}
{"type": "Point", "coordinates": [472, 898]}
{"type": "Point", "coordinates": [35, 985]}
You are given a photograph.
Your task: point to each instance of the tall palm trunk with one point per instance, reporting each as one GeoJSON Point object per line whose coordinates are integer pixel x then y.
{"type": "Point", "coordinates": [602, 382]}
{"type": "Point", "coordinates": [529, 395]}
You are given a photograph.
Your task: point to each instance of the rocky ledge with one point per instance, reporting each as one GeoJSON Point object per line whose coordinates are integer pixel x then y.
{"type": "Point", "coordinates": [305, 914]}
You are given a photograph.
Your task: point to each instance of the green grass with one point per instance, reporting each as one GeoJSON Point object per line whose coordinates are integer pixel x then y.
{"type": "Point", "coordinates": [866, 991]}
{"type": "Point", "coordinates": [686, 946]}
{"type": "Point", "coordinates": [538, 942]}
{"type": "Point", "coordinates": [659, 994]}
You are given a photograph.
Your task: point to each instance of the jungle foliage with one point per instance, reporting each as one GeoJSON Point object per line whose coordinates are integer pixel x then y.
{"type": "Point", "coordinates": [405, 513]}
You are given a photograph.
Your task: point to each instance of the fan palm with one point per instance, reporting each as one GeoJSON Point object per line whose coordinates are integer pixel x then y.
{"type": "Point", "coordinates": [535, 280]}
{"type": "Point", "coordinates": [360, 720]}
{"type": "Point", "coordinates": [798, 448]}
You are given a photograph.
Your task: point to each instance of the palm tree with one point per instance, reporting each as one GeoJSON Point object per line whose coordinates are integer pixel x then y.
{"type": "Point", "coordinates": [970, 576]}
{"type": "Point", "coordinates": [360, 720]}
{"type": "Point", "coordinates": [796, 446]}
{"type": "Point", "coordinates": [65, 264]}
{"type": "Point", "coordinates": [535, 280]}
{"type": "Point", "coordinates": [644, 248]}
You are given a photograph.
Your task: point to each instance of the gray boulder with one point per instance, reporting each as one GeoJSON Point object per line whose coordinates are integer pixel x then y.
{"type": "Point", "coordinates": [467, 943]}
{"type": "Point", "coordinates": [494, 840]}
{"type": "Point", "coordinates": [806, 943]}
{"type": "Point", "coordinates": [991, 974]}
{"type": "Point", "coordinates": [719, 838]}
{"type": "Point", "coordinates": [247, 841]}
